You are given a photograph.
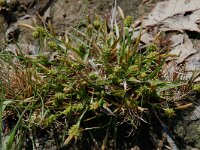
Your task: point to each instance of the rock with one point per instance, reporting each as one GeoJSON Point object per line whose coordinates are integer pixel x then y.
{"type": "Point", "coordinates": [43, 5]}
{"type": "Point", "coordinates": [195, 115]}
{"type": "Point", "coordinates": [188, 132]}
{"type": "Point", "coordinates": [63, 13]}
{"type": "Point", "coordinates": [14, 2]}
{"type": "Point", "coordinates": [24, 48]}
{"type": "Point", "coordinates": [26, 32]}
{"type": "Point", "coordinates": [12, 34]}
{"type": "Point", "coordinates": [3, 27]}
{"type": "Point", "coordinates": [22, 30]}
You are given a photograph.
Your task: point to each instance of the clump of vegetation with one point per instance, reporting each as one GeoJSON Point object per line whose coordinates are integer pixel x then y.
{"type": "Point", "coordinates": [94, 78]}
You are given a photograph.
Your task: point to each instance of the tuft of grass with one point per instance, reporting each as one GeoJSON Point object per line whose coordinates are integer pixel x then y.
{"type": "Point", "coordinates": [97, 71]}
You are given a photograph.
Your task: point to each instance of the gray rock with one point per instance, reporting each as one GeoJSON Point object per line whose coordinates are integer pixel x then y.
{"type": "Point", "coordinates": [189, 132]}
{"type": "Point", "coordinates": [195, 115]}
{"type": "Point", "coordinates": [3, 28]}
{"type": "Point", "coordinates": [24, 48]}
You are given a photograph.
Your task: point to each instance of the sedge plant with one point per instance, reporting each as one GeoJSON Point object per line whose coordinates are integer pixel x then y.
{"type": "Point", "coordinates": [94, 72]}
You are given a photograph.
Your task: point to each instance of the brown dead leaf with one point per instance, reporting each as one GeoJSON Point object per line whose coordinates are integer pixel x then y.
{"type": "Point", "coordinates": [183, 50]}
{"type": "Point", "coordinates": [175, 15]}
{"type": "Point", "coordinates": [193, 63]}
{"type": "Point", "coordinates": [178, 16]}
{"type": "Point", "coordinates": [177, 39]}
{"type": "Point", "coordinates": [146, 37]}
